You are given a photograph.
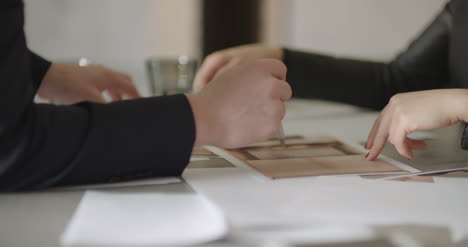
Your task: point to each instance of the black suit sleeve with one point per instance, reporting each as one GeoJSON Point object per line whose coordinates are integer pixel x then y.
{"type": "Point", "coordinates": [39, 67]}
{"type": "Point", "coordinates": [424, 65]}
{"type": "Point", "coordinates": [44, 145]}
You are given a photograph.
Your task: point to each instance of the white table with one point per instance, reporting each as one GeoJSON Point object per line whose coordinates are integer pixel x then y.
{"type": "Point", "coordinates": [38, 219]}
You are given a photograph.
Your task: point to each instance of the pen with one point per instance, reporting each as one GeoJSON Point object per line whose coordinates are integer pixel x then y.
{"type": "Point", "coordinates": [281, 136]}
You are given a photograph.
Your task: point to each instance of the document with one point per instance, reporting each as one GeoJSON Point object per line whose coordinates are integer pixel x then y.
{"type": "Point", "coordinates": [149, 219]}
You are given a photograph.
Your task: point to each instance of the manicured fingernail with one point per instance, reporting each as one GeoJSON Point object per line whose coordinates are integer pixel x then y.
{"type": "Point", "coordinates": [367, 155]}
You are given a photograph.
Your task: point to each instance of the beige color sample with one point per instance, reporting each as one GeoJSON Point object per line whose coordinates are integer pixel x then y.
{"type": "Point", "coordinates": [293, 152]}
{"type": "Point", "coordinates": [295, 140]}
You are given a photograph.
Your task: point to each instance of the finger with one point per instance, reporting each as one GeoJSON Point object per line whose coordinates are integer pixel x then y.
{"type": "Point", "coordinates": [115, 94]}
{"type": "Point", "coordinates": [283, 90]}
{"type": "Point", "coordinates": [373, 132]}
{"type": "Point", "coordinates": [127, 87]}
{"type": "Point", "coordinates": [399, 140]}
{"type": "Point", "coordinates": [416, 144]}
{"type": "Point", "coordinates": [96, 96]}
{"type": "Point", "coordinates": [208, 70]}
{"type": "Point", "coordinates": [124, 76]}
{"type": "Point", "coordinates": [381, 136]}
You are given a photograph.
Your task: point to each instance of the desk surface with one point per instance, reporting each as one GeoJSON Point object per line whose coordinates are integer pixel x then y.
{"type": "Point", "coordinates": [38, 219]}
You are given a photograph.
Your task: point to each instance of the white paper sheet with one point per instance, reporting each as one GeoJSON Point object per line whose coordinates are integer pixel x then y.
{"type": "Point", "coordinates": [249, 202]}
{"type": "Point", "coordinates": [119, 219]}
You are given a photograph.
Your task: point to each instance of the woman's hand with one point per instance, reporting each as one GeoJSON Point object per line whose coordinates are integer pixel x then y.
{"type": "Point", "coordinates": [220, 61]}
{"type": "Point", "coordinates": [413, 111]}
{"type": "Point", "coordinates": [69, 84]}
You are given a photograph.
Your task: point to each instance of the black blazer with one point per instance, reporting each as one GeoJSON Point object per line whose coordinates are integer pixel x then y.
{"type": "Point", "coordinates": [44, 145]}
{"type": "Point", "coordinates": [438, 58]}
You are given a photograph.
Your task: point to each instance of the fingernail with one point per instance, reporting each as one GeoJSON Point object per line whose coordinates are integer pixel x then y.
{"type": "Point", "coordinates": [367, 155]}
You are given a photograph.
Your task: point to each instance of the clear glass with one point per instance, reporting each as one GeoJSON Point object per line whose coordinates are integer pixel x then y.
{"type": "Point", "coordinates": [169, 76]}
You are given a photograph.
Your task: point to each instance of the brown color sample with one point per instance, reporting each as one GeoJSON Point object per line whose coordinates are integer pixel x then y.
{"type": "Point", "coordinates": [332, 165]}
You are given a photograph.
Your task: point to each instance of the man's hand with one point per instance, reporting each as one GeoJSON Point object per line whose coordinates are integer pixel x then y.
{"type": "Point", "coordinates": [408, 112]}
{"type": "Point", "coordinates": [220, 61]}
{"type": "Point", "coordinates": [69, 84]}
{"type": "Point", "coordinates": [243, 105]}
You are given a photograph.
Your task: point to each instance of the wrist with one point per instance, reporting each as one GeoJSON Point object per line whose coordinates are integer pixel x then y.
{"type": "Point", "coordinates": [54, 75]}
{"type": "Point", "coordinates": [203, 117]}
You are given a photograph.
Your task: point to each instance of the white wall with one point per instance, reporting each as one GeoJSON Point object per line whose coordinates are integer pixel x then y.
{"type": "Point", "coordinates": [121, 34]}
{"type": "Point", "coordinates": [375, 29]}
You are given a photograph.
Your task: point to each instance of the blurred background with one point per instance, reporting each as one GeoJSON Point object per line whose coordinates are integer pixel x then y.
{"type": "Point", "coordinates": [122, 34]}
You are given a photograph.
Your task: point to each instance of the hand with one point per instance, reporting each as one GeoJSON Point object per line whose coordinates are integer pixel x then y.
{"type": "Point", "coordinates": [69, 84]}
{"type": "Point", "coordinates": [232, 111]}
{"type": "Point", "coordinates": [220, 61]}
{"type": "Point", "coordinates": [409, 112]}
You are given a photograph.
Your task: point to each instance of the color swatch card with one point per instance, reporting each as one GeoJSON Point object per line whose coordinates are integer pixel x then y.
{"type": "Point", "coordinates": [301, 157]}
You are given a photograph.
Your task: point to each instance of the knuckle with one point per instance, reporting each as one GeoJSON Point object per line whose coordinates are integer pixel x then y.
{"type": "Point", "coordinates": [258, 65]}
{"type": "Point", "coordinates": [281, 65]}
{"type": "Point", "coordinates": [395, 99]}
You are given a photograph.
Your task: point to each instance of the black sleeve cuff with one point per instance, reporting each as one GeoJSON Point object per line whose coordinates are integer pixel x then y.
{"type": "Point", "coordinates": [39, 67]}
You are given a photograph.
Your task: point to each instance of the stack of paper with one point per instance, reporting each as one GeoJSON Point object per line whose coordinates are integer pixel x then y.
{"type": "Point", "coordinates": [249, 202]}
{"type": "Point", "coordinates": [116, 219]}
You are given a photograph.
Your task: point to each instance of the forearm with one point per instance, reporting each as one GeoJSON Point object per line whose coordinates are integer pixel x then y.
{"type": "Point", "coordinates": [46, 145]}
{"type": "Point", "coordinates": [362, 83]}
{"type": "Point", "coordinates": [138, 138]}
{"type": "Point", "coordinates": [92, 143]}
{"type": "Point", "coordinates": [350, 81]}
